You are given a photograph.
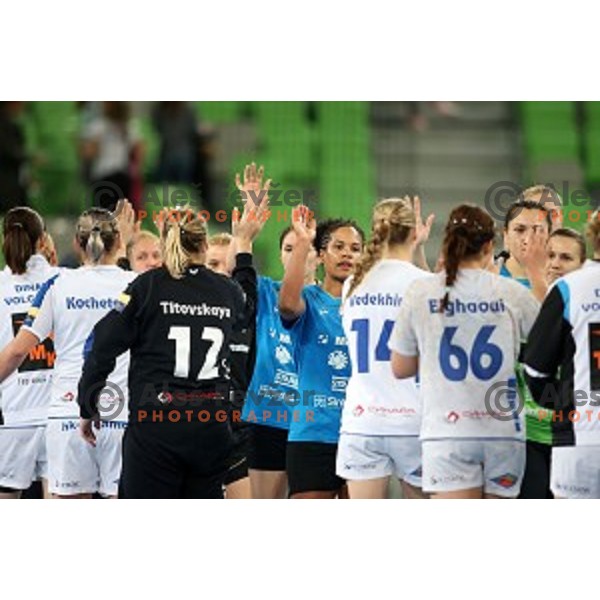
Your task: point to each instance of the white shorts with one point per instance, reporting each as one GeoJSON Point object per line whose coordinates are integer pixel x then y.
{"type": "Point", "coordinates": [364, 457]}
{"type": "Point", "coordinates": [75, 467]}
{"type": "Point", "coordinates": [575, 472]}
{"type": "Point", "coordinates": [497, 466]}
{"type": "Point", "coordinates": [22, 456]}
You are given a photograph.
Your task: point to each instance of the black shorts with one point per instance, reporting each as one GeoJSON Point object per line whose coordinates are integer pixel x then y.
{"type": "Point", "coordinates": [267, 448]}
{"type": "Point", "coordinates": [238, 459]}
{"type": "Point", "coordinates": [311, 467]}
{"type": "Point", "coordinates": [175, 460]}
{"type": "Point", "coordinates": [536, 481]}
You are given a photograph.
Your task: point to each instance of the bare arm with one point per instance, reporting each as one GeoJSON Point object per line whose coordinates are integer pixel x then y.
{"type": "Point", "coordinates": [291, 303]}
{"type": "Point", "coordinates": [14, 354]}
{"type": "Point", "coordinates": [404, 366]}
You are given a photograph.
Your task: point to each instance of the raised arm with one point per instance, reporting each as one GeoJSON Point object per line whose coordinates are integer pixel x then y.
{"type": "Point", "coordinates": [422, 231]}
{"type": "Point", "coordinates": [291, 303]}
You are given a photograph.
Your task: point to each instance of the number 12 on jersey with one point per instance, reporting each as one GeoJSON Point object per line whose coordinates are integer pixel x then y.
{"type": "Point", "coordinates": [362, 327]}
{"type": "Point", "coordinates": [182, 337]}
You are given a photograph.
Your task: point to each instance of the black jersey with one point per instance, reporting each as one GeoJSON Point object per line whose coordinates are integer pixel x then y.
{"type": "Point", "coordinates": [178, 331]}
{"type": "Point", "coordinates": [562, 359]}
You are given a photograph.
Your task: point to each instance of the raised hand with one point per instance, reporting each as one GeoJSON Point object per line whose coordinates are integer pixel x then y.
{"type": "Point", "coordinates": [252, 187]}
{"type": "Point", "coordinates": [247, 226]}
{"type": "Point", "coordinates": [304, 224]}
{"type": "Point", "coordinates": [125, 216]}
{"type": "Point", "coordinates": [422, 230]}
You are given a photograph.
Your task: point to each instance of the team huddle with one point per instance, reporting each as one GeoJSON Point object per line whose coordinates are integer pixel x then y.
{"type": "Point", "coordinates": [166, 367]}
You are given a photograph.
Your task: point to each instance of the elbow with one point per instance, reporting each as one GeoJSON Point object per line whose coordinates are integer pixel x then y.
{"type": "Point", "coordinates": [404, 367]}
{"type": "Point", "coordinates": [289, 307]}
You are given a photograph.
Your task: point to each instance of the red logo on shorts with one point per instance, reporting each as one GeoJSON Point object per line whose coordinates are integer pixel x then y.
{"type": "Point", "coordinates": [506, 481]}
{"type": "Point", "coordinates": [68, 397]}
{"type": "Point", "coordinates": [359, 410]}
{"type": "Point", "coordinates": [452, 417]}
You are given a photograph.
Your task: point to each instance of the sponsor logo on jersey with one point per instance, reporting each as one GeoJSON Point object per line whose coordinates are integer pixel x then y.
{"type": "Point", "coordinates": [283, 355]}
{"type": "Point", "coordinates": [358, 411]}
{"type": "Point", "coordinates": [322, 338]}
{"type": "Point", "coordinates": [322, 401]}
{"type": "Point", "coordinates": [338, 360]}
{"type": "Point", "coordinates": [68, 397]}
{"type": "Point", "coordinates": [285, 338]}
{"type": "Point", "coordinates": [69, 425]}
{"type": "Point", "coordinates": [165, 397]}
{"type": "Point", "coordinates": [452, 417]}
{"type": "Point", "coordinates": [506, 481]}
{"type": "Point", "coordinates": [286, 378]}
{"type": "Point", "coordinates": [402, 411]}
{"type": "Point", "coordinates": [341, 340]}
{"type": "Point", "coordinates": [339, 384]}
{"type": "Point", "coordinates": [42, 356]}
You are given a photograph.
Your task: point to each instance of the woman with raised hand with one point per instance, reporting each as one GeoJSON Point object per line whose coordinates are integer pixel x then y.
{"type": "Point", "coordinates": [25, 395]}
{"type": "Point", "coordinates": [67, 307]}
{"type": "Point", "coordinates": [231, 255]}
{"type": "Point", "coordinates": [562, 369]}
{"type": "Point", "coordinates": [462, 331]}
{"type": "Point", "coordinates": [177, 322]}
{"type": "Point", "coordinates": [312, 313]}
{"type": "Point", "coordinates": [381, 419]}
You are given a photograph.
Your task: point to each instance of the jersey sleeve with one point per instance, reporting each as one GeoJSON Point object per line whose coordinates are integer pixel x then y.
{"type": "Point", "coordinates": [530, 309]}
{"type": "Point", "coordinates": [404, 338]}
{"type": "Point", "coordinates": [40, 317]}
{"type": "Point", "coordinates": [112, 335]}
{"type": "Point", "coordinates": [547, 339]}
{"type": "Point", "coordinates": [244, 274]}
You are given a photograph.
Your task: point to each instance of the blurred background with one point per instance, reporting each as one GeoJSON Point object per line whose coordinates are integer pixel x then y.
{"type": "Point", "coordinates": [339, 158]}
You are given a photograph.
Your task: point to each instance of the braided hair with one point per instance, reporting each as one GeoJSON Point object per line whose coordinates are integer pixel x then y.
{"type": "Point", "coordinates": [393, 220]}
{"type": "Point", "coordinates": [469, 228]}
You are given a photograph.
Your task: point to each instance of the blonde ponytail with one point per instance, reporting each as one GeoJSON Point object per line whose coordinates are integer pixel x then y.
{"type": "Point", "coordinates": [183, 236]}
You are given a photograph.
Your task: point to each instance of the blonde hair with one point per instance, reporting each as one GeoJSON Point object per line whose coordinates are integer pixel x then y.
{"type": "Point", "coordinates": [96, 233]}
{"type": "Point", "coordinates": [220, 239]}
{"type": "Point", "coordinates": [545, 191]}
{"type": "Point", "coordinates": [592, 231]}
{"type": "Point", "coordinates": [393, 220]}
{"type": "Point", "coordinates": [141, 236]}
{"type": "Point", "coordinates": [184, 234]}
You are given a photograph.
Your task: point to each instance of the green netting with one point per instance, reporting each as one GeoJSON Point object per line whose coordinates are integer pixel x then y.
{"type": "Point", "coordinates": [220, 112]}
{"type": "Point", "coordinates": [551, 144]}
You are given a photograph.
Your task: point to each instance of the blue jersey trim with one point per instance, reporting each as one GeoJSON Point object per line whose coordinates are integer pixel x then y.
{"type": "Point", "coordinates": [565, 293]}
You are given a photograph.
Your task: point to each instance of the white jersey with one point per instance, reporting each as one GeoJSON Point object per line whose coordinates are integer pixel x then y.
{"type": "Point", "coordinates": [376, 402]}
{"type": "Point", "coordinates": [26, 392]}
{"type": "Point", "coordinates": [70, 305]}
{"type": "Point", "coordinates": [467, 354]}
